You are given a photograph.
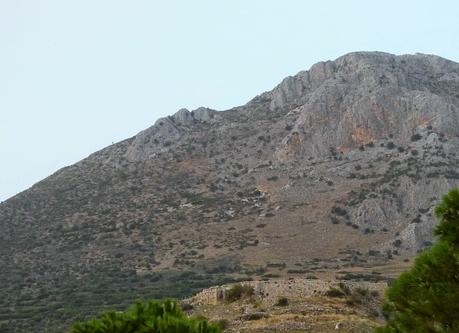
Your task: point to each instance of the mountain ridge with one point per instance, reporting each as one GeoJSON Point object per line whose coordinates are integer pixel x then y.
{"type": "Point", "coordinates": [286, 92]}
{"type": "Point", "coordinates": [203, 112]}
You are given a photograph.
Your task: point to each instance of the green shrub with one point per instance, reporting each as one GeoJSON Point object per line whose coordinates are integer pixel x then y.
{"type": "Point", "coordinates": [358, 296]}
{"type": "Point", "coordinates": [254, 316]}
{"type": "Point", "coordinates": [186, 306]}
{"type": "Point", "coordinates": [416, 137]}
{"type": "Point", "coordinates": [238, 291]}
{"type": "Point", "coordinates": [282, 301]}
{"type": "Point", "coordinates": [362, 291]}
{"type": "Point", "coordinates": [354, 299]}
{"type": "Point", "coordinates": [334, 292]}
{"type": "Point", "coordinates": [344, 288]}
{"type": "Point", "coordinates": [223, 323]}
{"type": "Point", "coordinates": [146, 317]}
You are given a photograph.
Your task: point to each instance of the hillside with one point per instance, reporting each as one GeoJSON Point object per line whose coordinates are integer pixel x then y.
{"type": "Point", "coordinates": [334, 170]}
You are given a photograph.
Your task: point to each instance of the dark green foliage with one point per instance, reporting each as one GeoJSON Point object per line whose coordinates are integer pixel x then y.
{"type": "Point", "coordinates": [390, 145]}
{"type": "Point", "coordinates": [416, 137]}
{"type": "Point", "coordinates": [254, 316]}
{"type": "Point", "coordinates": [344, 288]}
{"type": "Point", "coordinates": [186, 306]}
{"type": "Point", "coordinates": [362, 276]}
{"type": "Point", "coordinates": [148, 317]}
{"type": "Point", "coordinates": [358, 296]}
{"type": "Point", "coordinates": [339, 211]}
{"type": "Point", "coordinates": [335, 292]}
{"type": "Point", "coordinates": [426, 298]}
{"type": "Point", "coordinates": [448, 214]}
{"type": "Point", "coordinates": [238, 291]}
{"type": "Point", "coordinates": [353, 297]}
{"type": "Point", "coordinates": [223, 323]}
{"type": "Point", "coordinates": [282, 301]}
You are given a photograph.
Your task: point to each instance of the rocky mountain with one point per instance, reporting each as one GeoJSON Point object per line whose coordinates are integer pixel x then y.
{"type": "Point", "coordinates": [337, 168]}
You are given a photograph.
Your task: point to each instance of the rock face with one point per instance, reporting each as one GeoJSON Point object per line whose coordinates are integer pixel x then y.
{"type": "Point", "coordinates": [166, 131]}
{"type": "Point", "coordinates": [337, 166]}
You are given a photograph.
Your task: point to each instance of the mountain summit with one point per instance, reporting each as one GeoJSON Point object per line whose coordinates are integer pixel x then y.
{"type": "Point", "coordinates": [337, 168]}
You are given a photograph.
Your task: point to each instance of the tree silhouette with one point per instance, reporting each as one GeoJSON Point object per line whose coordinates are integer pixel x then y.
{"type": "Point", "coordinates": [426, 298]}
{"type": "Point", "coordinates": [148, 317]}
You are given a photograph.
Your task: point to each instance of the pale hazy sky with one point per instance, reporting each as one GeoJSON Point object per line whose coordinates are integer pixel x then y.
{"type": "Point", "coordinates": [77, 75]}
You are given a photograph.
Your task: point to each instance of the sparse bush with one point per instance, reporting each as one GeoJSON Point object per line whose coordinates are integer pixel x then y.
{"type": "Point", "coordinates": [362, 291]}
{"type": "Point", "coordinates": [344, 288]}
{"type": "Point", "coordinates": [297, 271]}
{"type": "Point", "coordinates": [362, 277]}
{"type": "Point", "coordinates": [354, 299]}
{"type": "Point", "coordinates": [335, 292]}
{"type": "Point", "coordinates": [222, 323]}
{"type": "Point", "coordinates": [339, 211]}
{"type": "Point", "coordinates": [254, 316]}
{"type": "Point", "coordinates": [238, 292]}
{"type": "Point", "coordinates": [282, 301]}
{"type": "Point", "coordinates": [186, 306]}
{"type": "Point", "coordinates": [270, 276]}
{"type": "Point", "coordinates": [390, 145]}
{"type": "Point", "coordinates": [416, 137]}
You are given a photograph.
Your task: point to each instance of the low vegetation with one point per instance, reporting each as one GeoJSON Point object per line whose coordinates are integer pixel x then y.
{"type": "Point", "coordinates": [282, 301]}
{"type": "Point", "coordinates": [356, 296]}
{"type": "Point", "coordinates": [145, 317]}
{"type": "Point", "coordinates": [238, 292]}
